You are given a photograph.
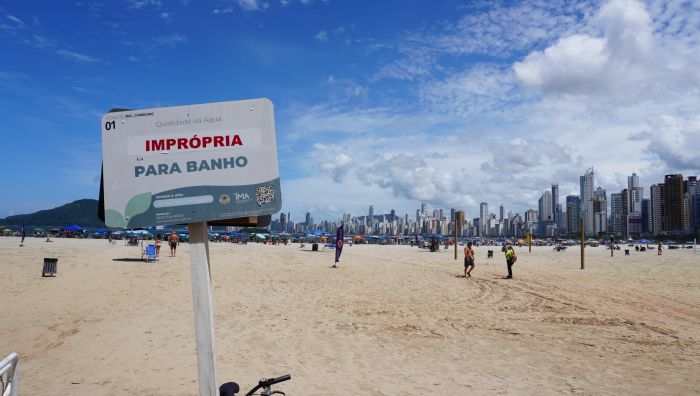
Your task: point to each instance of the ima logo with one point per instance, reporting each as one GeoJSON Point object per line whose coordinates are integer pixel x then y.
{"type": "Point", "coordinates": [241, 196]}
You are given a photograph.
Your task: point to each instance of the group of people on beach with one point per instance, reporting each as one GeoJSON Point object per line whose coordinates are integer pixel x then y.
{"type": "Point", "coordinates": [469, 264]}
{"type": "Point", "coordinates": [173, 241]}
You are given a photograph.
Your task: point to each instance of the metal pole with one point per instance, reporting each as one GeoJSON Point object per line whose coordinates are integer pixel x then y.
{"type": "Point", "coordinates": [580, 224]}
{"type": "Point", "coordinates": [203, 309]}
{"type": "Point", "coordinates": [529, 242]}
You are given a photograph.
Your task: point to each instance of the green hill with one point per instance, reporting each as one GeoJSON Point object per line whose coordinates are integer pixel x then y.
{"type": "Point", "coordinates": [82, 212]}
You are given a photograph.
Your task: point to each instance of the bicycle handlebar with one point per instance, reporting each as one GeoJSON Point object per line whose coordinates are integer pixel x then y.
{"type": "Point", "coordinates": [267, 382]}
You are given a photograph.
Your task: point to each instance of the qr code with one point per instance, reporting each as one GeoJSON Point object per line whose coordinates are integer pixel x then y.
{"type": "Point", "coordinates": [265, 195]}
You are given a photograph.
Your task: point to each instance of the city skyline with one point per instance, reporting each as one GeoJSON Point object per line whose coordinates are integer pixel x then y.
{"type": "Point", "coordinates": [626, 213]}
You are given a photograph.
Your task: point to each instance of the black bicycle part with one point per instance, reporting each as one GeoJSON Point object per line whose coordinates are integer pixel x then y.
{"type": "Point", "coordinates": [267, 382]}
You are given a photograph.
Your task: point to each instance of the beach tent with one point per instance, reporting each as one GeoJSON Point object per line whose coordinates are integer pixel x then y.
{"type": "Point", "coordinates": [139, 232]}
{"type": "Point", "coordinates": [644, 241]}
{"type": "Point", "coordinates": [73, 227]}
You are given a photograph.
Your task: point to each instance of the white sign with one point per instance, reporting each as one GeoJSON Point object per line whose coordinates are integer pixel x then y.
{"type": "Point", "coordinates": [187, 164]}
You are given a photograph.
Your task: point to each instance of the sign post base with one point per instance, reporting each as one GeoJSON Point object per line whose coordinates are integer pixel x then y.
{"type": "Point", "coordinates": [203, 309]}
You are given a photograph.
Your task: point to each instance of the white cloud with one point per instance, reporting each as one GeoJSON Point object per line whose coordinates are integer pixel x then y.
{"type": "Point", "coordinates": [321, 36]}
{"type": "Point", "coordinates": [629, 58]}
{"type": "Point", "coordinates": [482, 88]}
{"type": "Point", "coordinates": [675, 141]}
{"type": "Point", "coordinates": [252, 5]}
{"type": "Point", "coordinates": [14, 19]}
{"type": "Point", "coordinates": [78, 57]}
{"type": "Point", "coordinates": [227, 10]}
{"type": "Point", "coordinates": [615, 86]}
{"type": "Point", "coordinates": [414, 63]}
{"type": "Point", "coordinates": [139, 4]}
{"type": "Point", "coordinates": [170, 40]}
{"type": "Point", "coordinates": [499, 31]}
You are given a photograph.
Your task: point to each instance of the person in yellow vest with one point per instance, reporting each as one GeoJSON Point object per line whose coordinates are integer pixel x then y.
{"type": "Point", "coordinates": [511, 258]}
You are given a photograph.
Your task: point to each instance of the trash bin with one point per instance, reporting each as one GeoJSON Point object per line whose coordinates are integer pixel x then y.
{"type": "Point", "coordinates": [314, 247]}
{"type": "Point", "coordinates": [49, 267]}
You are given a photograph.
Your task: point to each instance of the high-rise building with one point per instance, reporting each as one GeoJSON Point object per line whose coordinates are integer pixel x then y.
{"type": "Point", "coordinates": [633, 216]}
{"type": "Point", "coordinates": [658, 209]}
{"type": "Point", "coordinates": [556, 208]}
{"type": "Point", "coordinates": [545, 207]}
{"type": "Point", "coordinates": [616, 213]}
{"type": "Point", "coordinates": [600, 211]}
{"type": "Point", "coordinates": [692, 190]}
{"type": "Point", "coordinates": [586, 189]}
{"type": "Point", "coordinates": [483, 218]}
{"type": "Point", "coordinates": [309, 221]}
{"type": "Point", "coordinates": [696, 214]}
{"type": "Point", "coordinates": [502, 212]}
{"type": "Point", "coordinates": [646, 216]}
{"type": "Point", "coordinates": [283, 222]}
{"type": "Point", "coordinates": [675, 205]}
{"type": "Point", "coordinates": [573, 213]}
{"type": "Point", "coordinates": [632, 181]}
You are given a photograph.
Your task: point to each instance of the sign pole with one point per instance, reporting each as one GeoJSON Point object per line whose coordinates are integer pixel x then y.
{"type": "Point", "coordinates": [203, 309]}
{"type": "Point", "coordinates": [580, 224]}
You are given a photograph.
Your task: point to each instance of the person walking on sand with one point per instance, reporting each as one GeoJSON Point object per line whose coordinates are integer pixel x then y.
{"type": "Point", "coordinates": [468, 260]}
{"type": "Point", "coordinates": [658, 252]}
{"type": "Point", "coordinates": [511, 258]}
{"type": "Point", "coordinates": [159, 239]}
{"type": "Point", "coordinates": [174, 239]}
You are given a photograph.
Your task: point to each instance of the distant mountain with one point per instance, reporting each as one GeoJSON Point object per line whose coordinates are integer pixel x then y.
{"type": "Point", "coordinates": [82, 212]}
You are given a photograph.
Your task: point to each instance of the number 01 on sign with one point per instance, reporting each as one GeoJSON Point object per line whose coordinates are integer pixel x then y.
{"type": "Point", "coordinates": [188, 164]}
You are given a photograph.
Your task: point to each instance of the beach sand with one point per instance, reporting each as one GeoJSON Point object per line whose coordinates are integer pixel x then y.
{"type": "Point", "coordinates": [389, 321]}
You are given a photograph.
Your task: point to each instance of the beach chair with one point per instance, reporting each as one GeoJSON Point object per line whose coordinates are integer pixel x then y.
{"type": "Point", "coordinates": [50, 265]}
{"type": "Point", "coordinates": [627, 252]}
{"type": "Point", "coordinates": [150, 254]}
{"type": "Point", "coordinates": [489, 254]}
{"type": "Point", "coordinates": [9, 375]}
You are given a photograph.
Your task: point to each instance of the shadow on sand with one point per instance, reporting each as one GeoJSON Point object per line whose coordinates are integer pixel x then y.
{"type": "Point", "coordinates": [130, 260]}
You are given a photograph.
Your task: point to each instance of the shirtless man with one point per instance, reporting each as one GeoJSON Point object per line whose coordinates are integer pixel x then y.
{"type": "Point", "coordinates": [468, 260]}
{"type": "Point", "coordinates": [173, 239]}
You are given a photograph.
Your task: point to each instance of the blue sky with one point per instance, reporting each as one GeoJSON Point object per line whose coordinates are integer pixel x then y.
{"type": "Point", "coordinates": [382, 103]}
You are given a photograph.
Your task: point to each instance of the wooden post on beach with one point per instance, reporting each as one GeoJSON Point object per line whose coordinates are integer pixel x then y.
{"type": "Point", "coordinates": [203, 309]}
{"type": "Point", "coordinates": [457, 221]}
{"type": "Point", "coordinates": [529, 242]}
{"type": "Point", "coordinates": [580, 225]}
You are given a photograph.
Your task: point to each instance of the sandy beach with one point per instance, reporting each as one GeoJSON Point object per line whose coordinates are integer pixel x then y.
{"type": "Point", "coordinates": [389, 321]}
